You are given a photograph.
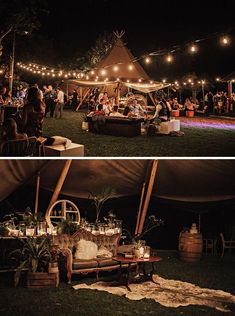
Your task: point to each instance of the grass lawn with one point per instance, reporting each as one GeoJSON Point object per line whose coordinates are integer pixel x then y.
{"type": "Point", "coordinates": [211, 272]}
{"type": "Point", "coordinates": [199, 140]}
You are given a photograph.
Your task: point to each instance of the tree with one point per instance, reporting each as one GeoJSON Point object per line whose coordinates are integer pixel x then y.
{"type": "Point", "coordinates": [102, 45]}
{"type": "Point", "coordinates": [21, 16]}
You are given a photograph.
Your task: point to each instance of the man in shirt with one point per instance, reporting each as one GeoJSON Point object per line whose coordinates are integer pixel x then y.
{"type": "Point", "coordinates": [59, 102]}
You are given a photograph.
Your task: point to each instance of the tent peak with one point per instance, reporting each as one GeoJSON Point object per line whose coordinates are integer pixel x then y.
{"type": "Point", "coordinates": [119, 34]}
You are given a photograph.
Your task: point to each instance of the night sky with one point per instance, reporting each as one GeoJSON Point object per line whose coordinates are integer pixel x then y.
{"type": "Point", "coordinates": [72, 27]}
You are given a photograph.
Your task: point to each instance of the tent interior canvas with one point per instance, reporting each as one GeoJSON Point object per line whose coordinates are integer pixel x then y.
{"type": "Point", "coordinates": [182, 190]}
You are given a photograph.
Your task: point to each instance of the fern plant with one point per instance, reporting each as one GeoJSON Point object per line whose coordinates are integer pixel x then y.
{"type": "Point", "coordinates": [34, 255]}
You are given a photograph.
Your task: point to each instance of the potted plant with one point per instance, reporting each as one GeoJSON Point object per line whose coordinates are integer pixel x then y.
{"type": "Point", "coordinates": [3, 230]}
{"type": "Point", "coordinates": [99, 199]}
{"type": "Point", "coordinates": [136, 240]}
{"type": "Point", "coordinates": [10, 224]}
{"type": "Point", "coordinates": [67, 226]}
{"type": "Point", "coordinates": [34, 255]}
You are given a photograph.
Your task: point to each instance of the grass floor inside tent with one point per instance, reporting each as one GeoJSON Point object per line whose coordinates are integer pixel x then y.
{"type": "Point", "coordinates": [203, 137]}
{"type": "Point", "coordinates": [211, 272]}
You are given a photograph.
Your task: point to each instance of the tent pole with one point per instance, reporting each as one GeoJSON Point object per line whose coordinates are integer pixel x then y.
{"type": "Point", "coordinates": [59, 184]}
{"type": "Point", "coordinates": [140, 207]}
{"type": "Point", "coordinates": [82, 99]}
{"type": "Point", "coordinates": [37, 194]}
{"type": "Point", "coordinates": [147, 176]}
{"type": "Point", "coordinates": [152, 99]}
{"type": "Point", "coordinates": [148, 196]}
{"type": "Point", "coordinates": [118, 94]}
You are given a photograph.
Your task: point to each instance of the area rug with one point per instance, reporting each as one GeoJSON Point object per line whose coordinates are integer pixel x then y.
{"type": "Point", "coordinates": [169, 293]}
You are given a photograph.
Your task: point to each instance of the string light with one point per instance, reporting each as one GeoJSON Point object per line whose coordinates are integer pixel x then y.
{"type": "Point", "coordinates": [92, 72]}
{"type": "Point", "coordinates": [147, 60]}
{"type": "Point", "coordinates": [225, 40]}
{"type": "Point", "coordinates": [164, 80]}
{"type": "Point", "coordinates": [130, 67]}
{"type": "Point", "coordinates": [169, 58]}
{"type": "Point", "coordinates": [193, 49]}
{"type": "Point", "coordinates": [218, 79]}
{"type": "Point", "coordinates": [103, 72]}
{"type": "Point", "coordinates": [115, 68]}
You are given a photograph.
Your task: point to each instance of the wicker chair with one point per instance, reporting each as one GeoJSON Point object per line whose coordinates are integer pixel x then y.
{"type": "Point", "coordinates": [19, 148]}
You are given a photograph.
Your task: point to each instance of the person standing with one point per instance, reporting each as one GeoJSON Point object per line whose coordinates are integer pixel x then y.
{"type": "Point", "coordinates": [59, 102]}
{"type": "Point", "coordinates": [74, 102]}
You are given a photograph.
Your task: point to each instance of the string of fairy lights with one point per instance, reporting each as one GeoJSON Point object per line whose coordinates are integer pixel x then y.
{"type": "Point", "coordinates": [103, 74]}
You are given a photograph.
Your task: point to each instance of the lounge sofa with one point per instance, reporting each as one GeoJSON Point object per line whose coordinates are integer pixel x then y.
{"type": "Point", "coordinates": [67, 245]}
{"type": "Point", "coordinates": [116, 126]}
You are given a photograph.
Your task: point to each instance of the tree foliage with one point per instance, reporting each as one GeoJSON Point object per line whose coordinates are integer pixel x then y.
{"type": "Point", "coordinates": [21, 15]}
{"type": "Point", "coordinates": [102, 45]}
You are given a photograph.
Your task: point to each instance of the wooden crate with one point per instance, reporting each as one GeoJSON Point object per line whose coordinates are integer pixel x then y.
{"type": "Point", "coordinates": [41, 280]}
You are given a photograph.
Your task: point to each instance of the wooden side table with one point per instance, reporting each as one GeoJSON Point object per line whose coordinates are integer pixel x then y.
{"type": "Point", "coordinates": [130, 261]}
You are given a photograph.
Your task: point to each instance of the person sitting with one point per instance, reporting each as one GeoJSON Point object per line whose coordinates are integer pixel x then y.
{"type": "Point", "coordinates": [175, 104]}
{"type": "Point", "coordinates": [9, 131]}
{"type": "Point", "coordinates": [162, 112]}
{"type": "Point", "coordinates": [115, 112]}
{"type": "Point", "coordinates": [33, 113]}
{"type": "Point", "coordinates": [189, 106]}
{"type": "Point", "coordinates": [137, 109]}
{"type": "Point", "coordinates": [127, 110]}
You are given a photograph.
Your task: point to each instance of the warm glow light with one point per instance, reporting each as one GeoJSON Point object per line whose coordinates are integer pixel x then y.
{"type": "Point", "coordinates": [66, 76]}
{"type": "Point", "coordinates": [164, 80]}
{"type": "Point", "coordinates": [103, 72]}
{"type": "Point", "coordinates": [193, 49]}
{"type": "Point", "coordinates": [53, 75]}
{"type": "Point", "coordinates": [203, 81]}
{"type": "Point", "coordinates": [192, 83]}
{"type": "Point", "coordinates": [176, 82]}
{"type": "Point", "coordinates": [82, 75]}
{"type": "Point", "coordinates": [169, 58]}
{"type": "Point", "coordinates": [184, 83]}
{"type": "Point", "coordinates": [1, 71]}
{"type": "Point", "coordinates": [43, 73]}
{"type": "Point", "coordinates": [217, 79]}
{"type": "Point", "coordinates": [189, 80]}
{"type": "Point", "coordinates": [147, 60]}
{"type": "Point", "coordinates": [52, 70]}
{"type": "Point", "coordinates": [74, 74]}
{"type": "Point", "coordinates": [128, 81]}
{"type": "Point", "coordinates": [140, 80]}
{"type": "Point", "coordinates": [151, 82]}
{"type": "Point", "coordinates": [225, 40]}
{"type": "Point", "coordinates": [118, 79]}
{"type": "Point", "coordinates": [87, 77]}
{"type": "Point", "coordinates": [130, 67]}
{"type": "Point", "coordinates": [115, 68]}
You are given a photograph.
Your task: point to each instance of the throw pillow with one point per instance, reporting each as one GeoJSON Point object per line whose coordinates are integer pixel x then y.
{"type": "Point", "coordinates": [104, 252]}
{"type": "Point", "coordinates": [86, 250]}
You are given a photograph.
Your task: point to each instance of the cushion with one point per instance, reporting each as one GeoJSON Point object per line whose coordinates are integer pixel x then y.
{"type": "Point", "coordinates": [104, 252]}
{"type": "Point", "coordinates": [106, 262]}
{"type": "Point", "coordinates": [84, 264]}
{"type": "Point", "coordinates": [85, 250]}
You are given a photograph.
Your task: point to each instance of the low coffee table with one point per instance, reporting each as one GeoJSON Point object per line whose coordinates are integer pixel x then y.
{"type": "Point", "coordinates": [130, 261]}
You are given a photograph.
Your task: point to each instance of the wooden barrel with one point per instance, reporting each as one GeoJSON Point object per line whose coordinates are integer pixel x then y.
{"type": "Point", "coordinates": [190, 247]}
{"type": "Point", "coordinates": [175, 113]}
{"type": "Point", "coordinates": [190, 113]}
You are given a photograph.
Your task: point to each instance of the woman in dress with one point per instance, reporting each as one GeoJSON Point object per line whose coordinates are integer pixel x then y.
{"type": "Point", "coordinates": [33, 113]}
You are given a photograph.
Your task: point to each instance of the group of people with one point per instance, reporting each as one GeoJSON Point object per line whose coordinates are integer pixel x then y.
{"type": "Point", "coordinates": [28, 121]}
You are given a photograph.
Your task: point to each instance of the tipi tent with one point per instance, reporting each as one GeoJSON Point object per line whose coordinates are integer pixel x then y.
{"type": "Point", "coordinates": [119, 70]}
